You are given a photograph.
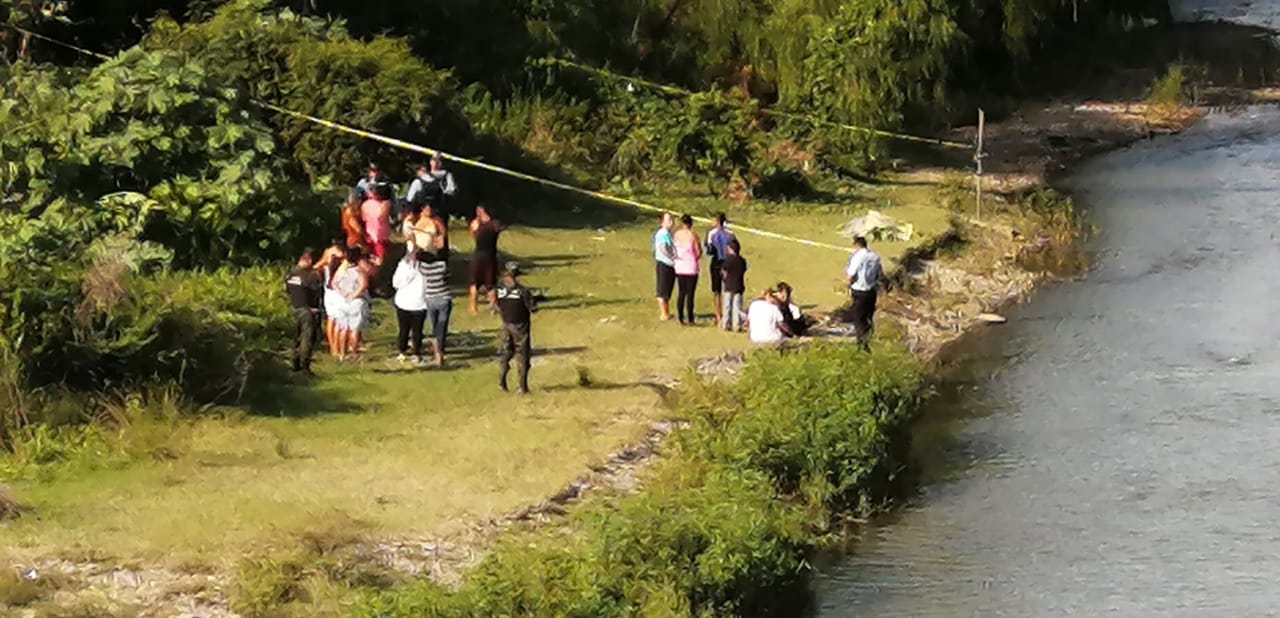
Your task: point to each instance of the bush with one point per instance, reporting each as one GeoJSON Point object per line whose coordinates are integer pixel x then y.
{"type": "Point", "coordinates": [1166, 92]}
{"type": "Point", "coordinates": [209, 333]}
{"type": "Point", "coordinates": [75, 338]}
{"type": "Point", "coordinates": [725, 523]}
{"type": "Point", "coordinates": [821, 422]}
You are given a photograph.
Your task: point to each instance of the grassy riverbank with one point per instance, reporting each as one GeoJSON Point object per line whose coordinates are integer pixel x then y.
{"type": "Point", "coordinates": [388, 453]}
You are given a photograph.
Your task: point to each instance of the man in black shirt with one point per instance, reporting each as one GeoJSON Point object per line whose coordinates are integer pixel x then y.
{"type": "Point", "coordinates": [305, 293]}
{"type": "Point", "coordinates": [733, 272]}
{"type": "Point", "coordinates": [516, 304]}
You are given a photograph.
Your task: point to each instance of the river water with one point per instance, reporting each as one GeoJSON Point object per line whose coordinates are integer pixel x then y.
{"type": "Point", "coordinates": [1116, 447]}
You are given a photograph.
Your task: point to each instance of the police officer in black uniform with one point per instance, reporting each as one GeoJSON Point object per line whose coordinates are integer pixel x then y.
{"type": "Point", "coordinates": [516, 304]}
{"type": "Point", "coordinates": [305, 292]}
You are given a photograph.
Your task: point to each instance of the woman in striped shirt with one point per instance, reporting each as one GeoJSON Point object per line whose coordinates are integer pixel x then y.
{"type": "Point", "coordinates": [434, 267]}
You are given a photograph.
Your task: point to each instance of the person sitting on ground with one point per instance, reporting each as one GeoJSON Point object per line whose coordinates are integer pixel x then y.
{"type": "Point", "coordinates": [765, 323]}
{"type": "Point", "coordinates": [797, 322]}
{"type": "Point", "coordinates": [516, 304]}
{"type": "Point", "coordinates": [304, 289]}
{"type": "Point", "coordinates": [733, 271]}
{"type": "Point", "coordinates": [484, 259]}
{"type": "Point", "coordinates": [411, 306]}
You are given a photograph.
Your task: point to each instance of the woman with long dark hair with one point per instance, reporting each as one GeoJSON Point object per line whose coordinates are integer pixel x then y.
{"type": "Point", "coordinates": [688, 253]}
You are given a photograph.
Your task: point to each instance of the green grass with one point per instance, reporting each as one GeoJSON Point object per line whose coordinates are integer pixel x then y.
{"type": "Point", "coordinates": [429, 452]}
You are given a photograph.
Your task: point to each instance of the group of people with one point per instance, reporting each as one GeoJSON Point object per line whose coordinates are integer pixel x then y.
{"type": "Point", "coordinates": [772, 316]}
{"type": "Point", "coordinates": [334, 294]}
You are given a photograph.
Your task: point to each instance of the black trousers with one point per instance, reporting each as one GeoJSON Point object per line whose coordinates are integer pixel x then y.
{"type": "Point", "coordinates": [686, 288]}
{"type": "Point", "coordinates": [514, 342]}
{"type": "Point", "coordinates": [411, 323]}
{"type": "Point", "coordinates": [307, 334]}
{"type": "Point", "coordinates": [863, 311]}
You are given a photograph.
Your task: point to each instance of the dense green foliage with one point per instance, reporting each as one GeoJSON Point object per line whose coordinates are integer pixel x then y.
{"type": "Point", "coordinates": [724, 525]}
{"type": "Point", "coordinates": [871, 63]}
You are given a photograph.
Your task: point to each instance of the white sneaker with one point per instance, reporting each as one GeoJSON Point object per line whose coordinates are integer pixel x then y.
{"type": "Point", "coordinates": [401, 358]}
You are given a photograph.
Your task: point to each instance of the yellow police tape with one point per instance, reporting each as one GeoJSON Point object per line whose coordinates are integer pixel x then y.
{"type": "Point", "coordinates": [781, 114]}
{"type": "Point", "coordinates": [391, 141]}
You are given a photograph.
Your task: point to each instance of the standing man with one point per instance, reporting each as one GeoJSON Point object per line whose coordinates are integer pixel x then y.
{"type": "Point", "coordinates": [863, 276]}
{"type": "Point", "coordinates": [443, 187]}
{"type": "Point", "coordinates": [718, 238]}
{"type": "Point", "coordinates": [421, 188]}
{"type": "Point", "coordinates": [516, 304]}
{"type": "Point", "coordinates": [304, 289]}
{"type": "Point", "coordinates": [664, 257]}
{"type": "Point", "coordinates": [734, 272]}
{"type": "Point", "coordinates": [372, 178]}
{"type": "Point", "coordinates": [484, 259]}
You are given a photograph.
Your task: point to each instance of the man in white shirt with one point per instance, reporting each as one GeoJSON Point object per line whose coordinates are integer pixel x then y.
{"type": "Point", "coordinates": [863, 275]}
{"type": "Point", "coordinates": [765, 322]}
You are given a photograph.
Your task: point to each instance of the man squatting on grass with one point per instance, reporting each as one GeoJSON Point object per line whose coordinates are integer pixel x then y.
{"type": "Point", "coordinates": [304, 289]}
{"type": "Point", "coordinates": [863, 275]}
{"type": "Point", "coordinates": [516, 305]}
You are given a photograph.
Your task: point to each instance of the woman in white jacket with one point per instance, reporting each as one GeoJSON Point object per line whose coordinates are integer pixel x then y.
{"type": "Point", "coordinates": [411, 305]}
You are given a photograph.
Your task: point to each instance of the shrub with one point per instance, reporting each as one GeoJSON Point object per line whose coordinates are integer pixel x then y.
{"type": "Point", "coordinates": [10, 508]}
{"type": "Point", "coordinates": [724, 524]}
{"type": "Point", "coordinates": [1166, 92]}
{"type": "Point", "coordinates": [207, 334]}
{"type": "Point", "coordinates": [822, 422]}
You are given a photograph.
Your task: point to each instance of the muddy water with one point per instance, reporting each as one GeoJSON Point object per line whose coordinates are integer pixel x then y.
{"type": "Point", "coordinates": [1116, 447]}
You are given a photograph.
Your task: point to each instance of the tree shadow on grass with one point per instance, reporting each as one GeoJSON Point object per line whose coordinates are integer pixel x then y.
{"type": "Point", "coordinates": [297, 397]}
{"type": "Point", "coordinates": [584, 383]}
{"type": "Point", "coordinates": [563, 302]}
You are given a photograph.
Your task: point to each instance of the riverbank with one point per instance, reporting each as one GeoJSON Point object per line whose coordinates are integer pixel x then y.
{"type": "Point", "coordinates": [965, 267]}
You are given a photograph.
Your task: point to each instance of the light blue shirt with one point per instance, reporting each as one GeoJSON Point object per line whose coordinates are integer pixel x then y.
{"type": "Point", "coordinates": [664, 248]}
{"type": "Point", "coordinates": [864, 268]}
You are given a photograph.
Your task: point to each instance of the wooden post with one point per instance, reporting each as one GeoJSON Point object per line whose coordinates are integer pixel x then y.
{"type": "Point", "coordinates": [977, 157]}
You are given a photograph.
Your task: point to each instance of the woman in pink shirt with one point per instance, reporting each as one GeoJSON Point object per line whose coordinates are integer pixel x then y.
{"type": "Point", "coordinates": [688, 252]}
{"type": "Point", "coordinates": [376, 214]}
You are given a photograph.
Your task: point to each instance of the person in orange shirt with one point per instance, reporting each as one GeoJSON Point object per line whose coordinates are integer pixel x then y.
{"type": "Point", "coordinates": [351, 225]}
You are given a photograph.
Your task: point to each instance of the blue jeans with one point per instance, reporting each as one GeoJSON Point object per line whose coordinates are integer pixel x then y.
{"type": "Point", "coordinates": [438, 310]}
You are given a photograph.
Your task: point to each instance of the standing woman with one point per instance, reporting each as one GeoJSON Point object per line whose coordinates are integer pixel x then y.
{"type": "Point", "coordinates": [352, 284]}
{"type": "Point", "coordinates": [328, 267]}
{"type": "Point", "coordinates": [351, 225]}
{"type": "Point", "coordinates": [688, 252]}
{"type": "Point", "coordinates": [411, 306]}
{"type": "Point", "coordinates": [375, 212]}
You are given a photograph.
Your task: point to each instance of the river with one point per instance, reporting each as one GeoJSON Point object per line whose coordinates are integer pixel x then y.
{"type": "Point", "coordinates": [1116, 447]}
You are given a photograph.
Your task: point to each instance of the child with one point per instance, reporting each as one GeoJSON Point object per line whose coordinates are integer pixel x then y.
{"type": "Point", "coordinates": [733, 271]}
